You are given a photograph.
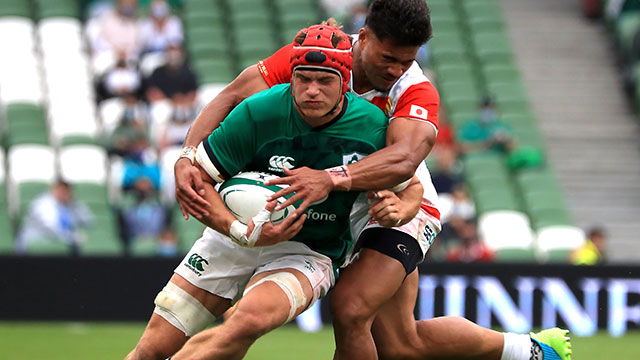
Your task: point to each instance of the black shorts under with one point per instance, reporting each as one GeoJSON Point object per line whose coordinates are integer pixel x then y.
{"type": "Point", "coordinates": [393, 243]}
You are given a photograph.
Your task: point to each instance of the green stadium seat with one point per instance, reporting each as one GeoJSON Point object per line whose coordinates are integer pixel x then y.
{"type": "Point", "coordinates": [214, 71]}
{"type": "Point", "coordinates": [495, 199]}
{"type": "Point", "coordinates": [188, 231]}
{"type": "Point", "coordinates": [626, 28]}
{"type": "Point", "coordinates": [6, 230]}
{"type": "Point", "coordinates": [193, 6]}
{"type": "Point", "coordinates": [15, 8]}
{"type": "Point", "coordinates": [211, 19]}
{"type": "Point", "coordinates": [49, 248]}
{"type": "Point", "coordinates": [515, 255]}
{"type": "Point", "coordinates": [500, 73]}
{"type": "Point", "coordinates": [102, 238]}
{"type": "Point", "coordinates": [485, 23]}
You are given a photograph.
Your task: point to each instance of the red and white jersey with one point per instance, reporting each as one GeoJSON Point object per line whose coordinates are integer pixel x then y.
{"type": "Point", "coordinates": [412, 96]}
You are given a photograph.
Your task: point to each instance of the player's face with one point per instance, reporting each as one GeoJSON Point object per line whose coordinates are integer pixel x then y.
{"type": "Point", "coordinates": [316, 92]}
{"type": "Point", "coordinates": [384, 62]}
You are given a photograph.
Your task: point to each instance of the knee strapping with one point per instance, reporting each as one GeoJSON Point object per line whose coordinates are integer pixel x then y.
{"type": "Point", "coordinates": [182, 310]}
{"type": "Point", "coordinates": [290, 285]}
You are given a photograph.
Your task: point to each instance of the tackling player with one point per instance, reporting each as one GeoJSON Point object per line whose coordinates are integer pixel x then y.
{"type": "Point", "coordinates": [376, 293]}
{"type": "Point", "coordinates": [313, 122]}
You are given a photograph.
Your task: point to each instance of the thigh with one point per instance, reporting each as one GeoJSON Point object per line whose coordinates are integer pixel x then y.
{"type": "Point", "coordinates": [218, 265]}
{"type": "Point", "coordinates": [368, 282]}
{"type": "Point", "coordinates": [267, 305]}
{"type": "Point", "coordinates": [395, 325]}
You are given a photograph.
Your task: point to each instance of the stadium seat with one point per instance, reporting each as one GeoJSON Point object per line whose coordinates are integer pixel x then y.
{"type": "Point", "coordinates": [19, 8]}
{"type": "Point", "coordinates": [84, 164]}
{"type": "Point", "coordinates": [28, 164]}
{"type": "Point", "coordinates": [626, 28]}
{"type": "Point", "coordinates": [506, 230]}
{"type": "Point", "coordinates": [554, 243]}
{"type": "Point", "coordinates": [6, 229]}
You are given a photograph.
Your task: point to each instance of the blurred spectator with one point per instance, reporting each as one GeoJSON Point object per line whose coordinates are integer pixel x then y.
{"type": "Point", "coordinates": [470, 248]}
{"type": "Point", "coordinates": [593, 251]}
{"type": "Point", "coordinates": [356, 19]}
{"type": "Point", "coordinates": [116, 31]}
{"type": "Point", "coordinates": [145, 217]}
{"type": "Point", "coordinates": [54, 217]}
{"type": "Point", "coordinates": [486, 131]}
{"type": "Point", "coordinates": [176, 129]}
{"type": "Point", "coordinates": [174, 80]}
{"type": "Point", "coordinates": [448, 170]}
{"type": "Point", "coordinates": [160, 29]}
{"type": "Point", "coordinates": [122, 81]}
{"type": "Point", "coordinates": [456, 209]}
{"type": "Point", "coordinates": [130, 140]}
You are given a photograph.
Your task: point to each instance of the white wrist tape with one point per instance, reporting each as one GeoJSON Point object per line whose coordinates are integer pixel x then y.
{"type": "Point", "coordinates": [238, 233]}
{"type": "Point", "coordinates": [403, 185]}
{"type": "Point", "coordinates": [188, 152]}
{"type": "Point", "coordinates": [238, 230]}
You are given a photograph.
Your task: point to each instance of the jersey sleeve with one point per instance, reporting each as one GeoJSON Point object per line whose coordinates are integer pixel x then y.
{"type": "Point", "coordinates": [231, 146]}
{"type": "Point", "coordinates": [275, 69]}
{"type": "Point", "coordinates": [420, 102]}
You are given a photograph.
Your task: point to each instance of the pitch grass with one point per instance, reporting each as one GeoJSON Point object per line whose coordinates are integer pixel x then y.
{"type": "Point", "coordinates": [97, 341]}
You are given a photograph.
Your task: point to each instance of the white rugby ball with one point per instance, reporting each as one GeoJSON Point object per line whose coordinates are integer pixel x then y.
{"type": "Point", "coordinates": [245, 195]}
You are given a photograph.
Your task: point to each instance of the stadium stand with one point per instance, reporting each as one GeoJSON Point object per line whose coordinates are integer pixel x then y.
{"type": "Point", "coordinates": [472, 57]}
{"type": "Point", "coordinates": [49, 107]}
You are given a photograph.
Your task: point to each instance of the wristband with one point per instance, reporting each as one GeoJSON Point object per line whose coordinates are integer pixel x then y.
{"type": "Point", "coordinates": [238, 233]}
{"type": "Point", "coordinates": [188, 152]}
{"type": "Point", "coordinates": [340, 177]}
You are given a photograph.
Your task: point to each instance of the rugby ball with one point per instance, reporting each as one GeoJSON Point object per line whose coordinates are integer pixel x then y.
{"type": "Point", "coordinates": [245, 195]}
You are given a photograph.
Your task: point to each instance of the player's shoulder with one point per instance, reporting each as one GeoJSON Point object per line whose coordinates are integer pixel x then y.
{"type": "Point", "coordinates": [360, 106]}
{"type": "Point", "coordinates": [414, 83]}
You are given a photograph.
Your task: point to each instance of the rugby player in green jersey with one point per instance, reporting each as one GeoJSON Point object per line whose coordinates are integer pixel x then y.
{"type": "Point", "coordinates": [313, 122]}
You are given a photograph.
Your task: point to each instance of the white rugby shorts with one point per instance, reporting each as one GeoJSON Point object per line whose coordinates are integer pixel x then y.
{"type": "Point", "coordinates": [423, 228]}
{"type": "Point", "coordinates": [218, 265]}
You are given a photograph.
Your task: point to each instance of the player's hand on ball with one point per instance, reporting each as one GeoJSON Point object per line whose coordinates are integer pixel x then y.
{"type": "Point", "coordinates": [272, 234]}
{"type": "Point", "coordinates": [387, 208]}
{"type": "Point", "coordinates": [308, 184]}
{"type": "Point", "coordinates": [190, 190]}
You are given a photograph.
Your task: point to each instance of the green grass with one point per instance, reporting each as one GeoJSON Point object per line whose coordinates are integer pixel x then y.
{"type": "Point", "coordinates": [96, 341]}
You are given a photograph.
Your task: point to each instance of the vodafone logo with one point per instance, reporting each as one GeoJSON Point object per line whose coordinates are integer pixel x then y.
{"type": "Point", "coordinates": [419, 112]}
{"type": "Point", "coordinates": [277, 163]}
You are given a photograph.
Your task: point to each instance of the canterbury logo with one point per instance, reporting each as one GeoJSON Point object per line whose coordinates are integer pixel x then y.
{"type": "Point", "coordinates": [277, 163]}
{"type": "Point", "coordinates": [196, 261]}
{"type": "Point", "coordinates": [403, 249]}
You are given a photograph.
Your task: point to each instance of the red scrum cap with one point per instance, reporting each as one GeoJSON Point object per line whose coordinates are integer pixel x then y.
{"type": "Point", "coordinates": [326, 48]}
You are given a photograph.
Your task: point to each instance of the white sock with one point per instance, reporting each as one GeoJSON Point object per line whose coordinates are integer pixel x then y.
{"type": "Point", "coordinates": [516, 347]}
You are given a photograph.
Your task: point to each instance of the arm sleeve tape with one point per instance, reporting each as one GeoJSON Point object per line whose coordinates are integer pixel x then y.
{"type": "Point", "coordinates": [403, 185]}
{"type": "Point", "coordinates": [182, 310]}
{"type": "Point", "coordinates": [291, 286]}
{"type": "Point", "coordinates": [203, 159]}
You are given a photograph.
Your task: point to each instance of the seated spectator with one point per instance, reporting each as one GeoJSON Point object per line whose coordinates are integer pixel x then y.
{"type": "Point", "coordinates": [123, 80]}
{"type": "Point", "coordinates": [448, 170]}
{"type": "Point", "coordinates": [174, 80]}
{"type": "Point", "coordinates": [54, 217]}
{"type": "Point", "coordinates": [116, 31]}
{"type": "Point", "coordinates": [470, 248]}
{"type": "Point", "coordinates": [130, 141]}
{"type": "Point", "coordinates": [160, 29]}
{"type": "Point", "coordinates": [486, 131]}
{"type": "Point", "coordinates": [144, 217]}
{"type": "Point", "coordinates": [593, 251]}
{"type": "Point", "coordinates": [175, 130]}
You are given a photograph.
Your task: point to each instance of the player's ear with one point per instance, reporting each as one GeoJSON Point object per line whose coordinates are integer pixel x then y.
{"type": "Point", "coordinates": [363, 36]}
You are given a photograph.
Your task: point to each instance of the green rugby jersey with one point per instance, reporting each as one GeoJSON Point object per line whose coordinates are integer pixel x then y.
{"type": "Point", "coordinates": [266, 133]}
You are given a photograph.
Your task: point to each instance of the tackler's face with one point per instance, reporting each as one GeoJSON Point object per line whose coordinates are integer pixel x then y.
{"type": "Point", "coordinates": [316, 92]}
{"type": "Point", "coordinates": [383, 61]}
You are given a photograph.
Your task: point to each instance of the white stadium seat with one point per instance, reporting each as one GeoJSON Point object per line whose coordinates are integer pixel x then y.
{"type": "Point", "coordinates": [111, 111]}
{"type": "Point", "coordinates": [559, 238]}
{"type": "Point", "coordinates": [28, 163]}
{"type": "Point", "coordinates": [31, 163]}
{"type": "Point", "coordinates": [207, 92]}
{"type": "Point", "coordinates": [505, 230]}
{"type": "Point", "coordinates": [83, 163]}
